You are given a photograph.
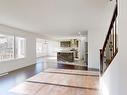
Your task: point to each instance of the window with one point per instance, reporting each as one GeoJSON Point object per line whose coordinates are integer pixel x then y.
{"type": "Point", "coordinates": [41, 47]}
{"type": "Point", "coordinates": [6, 47]}
{"type": "Point", "coordinates": [20, 47]}
{"type": "Point", "coordinates": [11, 47]}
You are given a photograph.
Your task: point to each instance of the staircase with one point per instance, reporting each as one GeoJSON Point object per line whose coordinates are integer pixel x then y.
{"type": "Point", "coordinates": [110, 48]}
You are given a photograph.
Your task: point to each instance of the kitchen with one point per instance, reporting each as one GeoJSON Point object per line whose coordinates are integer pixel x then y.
{"type": "Point", "coordinates": [73, 51]}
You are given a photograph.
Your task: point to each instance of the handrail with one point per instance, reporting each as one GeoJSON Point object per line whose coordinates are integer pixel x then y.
{"type": "Point", "coordinates": [110, 49]}
{"type": "Point", "coordinates": [111, 25]}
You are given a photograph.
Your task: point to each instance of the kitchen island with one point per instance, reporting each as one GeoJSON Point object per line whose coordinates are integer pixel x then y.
{"type": "Point", "coordinates": [65, 56]}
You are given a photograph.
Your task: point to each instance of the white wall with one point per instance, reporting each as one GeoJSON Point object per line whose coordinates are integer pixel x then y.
{"type": "Point", "coordinates": [115, 78]}
{"type": "Point", "coordinates": [96, 36]}
{"type": "Point", "coordinates": [53, 47]}
{"type": "Point", "coordinates": [110, 79]}
{"type": "Point", "coordinates": [95, 42]}
{"type": "Point", "coordinates": [122, 60]}
{"type": "Point", "coordinates": [7, 66]}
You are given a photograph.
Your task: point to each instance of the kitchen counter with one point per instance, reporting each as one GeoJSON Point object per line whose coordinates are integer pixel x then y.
{"type": "Point", "coordinates": [66, 51]}
{"type": "Point", "coordinates": [65, 56]}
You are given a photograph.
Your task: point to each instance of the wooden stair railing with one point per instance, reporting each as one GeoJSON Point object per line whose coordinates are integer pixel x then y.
{"type": "Point", "coordinates": [110, 49]}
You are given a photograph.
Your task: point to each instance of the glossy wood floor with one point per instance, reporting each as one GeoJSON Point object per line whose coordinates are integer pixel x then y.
{"type": "Point", "coordinates": [73, 72]}
{"type": "Point", "coordinates": [16, 77]}
{"type": "Point", "coordinates": [60, 84]}
{"type": "Point", "coordinates": [13, 79]}
{"type": "Point", "coordinates": [29, 88]}
{"type": "Point", "coordinates": [66, 80]}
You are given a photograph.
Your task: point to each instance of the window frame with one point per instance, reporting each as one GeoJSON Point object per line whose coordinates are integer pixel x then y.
{"type": "Point", "coordinates": [14, 49]}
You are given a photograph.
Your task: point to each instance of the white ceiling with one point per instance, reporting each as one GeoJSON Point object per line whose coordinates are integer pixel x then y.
{"type": "Point", "coordinates": [54, 17]}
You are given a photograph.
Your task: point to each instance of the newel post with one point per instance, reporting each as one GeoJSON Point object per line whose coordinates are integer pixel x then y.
{"type": "Point", "coordinates": [101, 61]}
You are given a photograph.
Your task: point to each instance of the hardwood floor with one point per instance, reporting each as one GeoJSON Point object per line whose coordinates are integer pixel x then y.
{"type": "Point", "coordinates": [28, 88]}
{"type": "Point", "coordinates": [13, 79]}
{"type": "Point", "coordinates": [60, 83]}
{"type": "Point", "coordinates": [73, 72]}
{"type": "Point", "coordinates": [16, 77]}
{"type": "Point", "coordinates": [66, 80]}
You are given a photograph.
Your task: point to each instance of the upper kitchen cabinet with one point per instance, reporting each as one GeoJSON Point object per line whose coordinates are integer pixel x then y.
{"type": "Point", "coordinates": [65, 43]}
{"type": "Point", "coordinates": [69, 43]}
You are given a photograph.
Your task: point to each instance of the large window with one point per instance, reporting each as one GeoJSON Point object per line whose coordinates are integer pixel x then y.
{"type": "Point", "coordinates": [20, 47]}
{"type": "Point", "coordinates": [11, 47]}
{"type": "Point", "coordinates": [6, 47]}
{"type": "Point", "coordinates": [41, 47]}
{"type": "Point", "coordinates": [46, 48]}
